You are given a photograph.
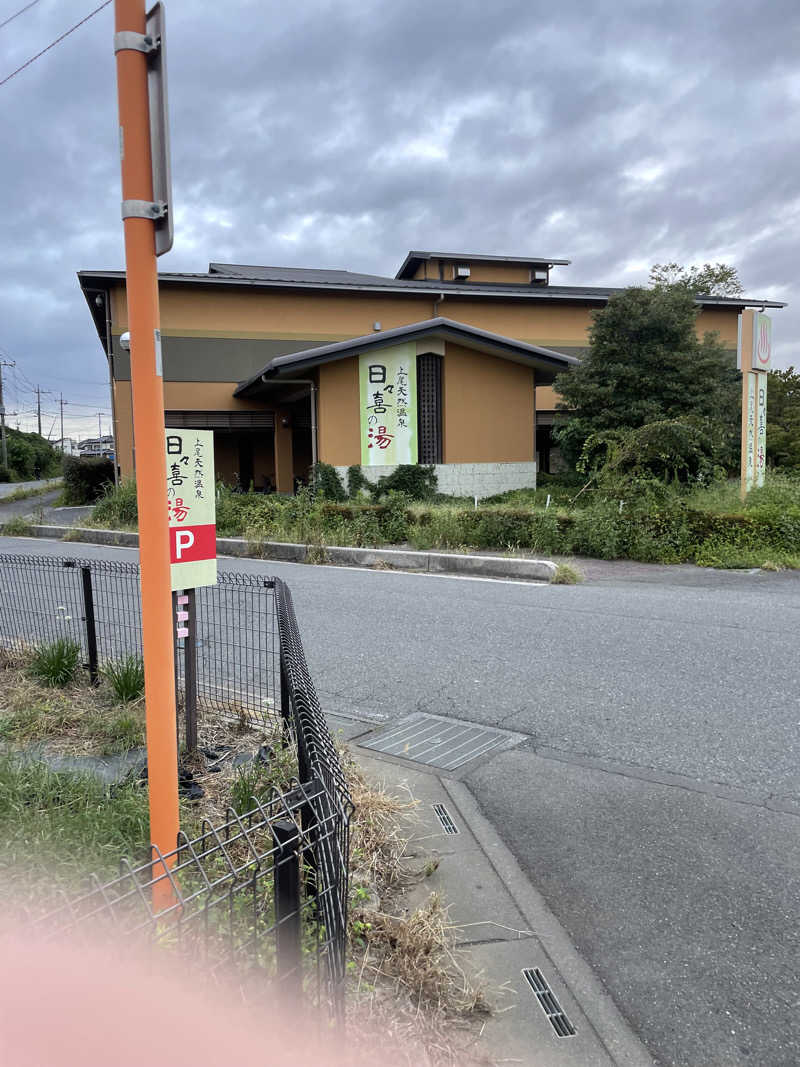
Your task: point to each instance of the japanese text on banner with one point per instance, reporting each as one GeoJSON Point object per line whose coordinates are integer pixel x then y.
{"type": "Point", "coordinates": [388, 403]}
{"type": "Point", "coordinates": [191, 506]}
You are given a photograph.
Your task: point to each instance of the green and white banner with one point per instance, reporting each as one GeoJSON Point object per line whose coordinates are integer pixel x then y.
{"type": "Point", "coordinates": [388, 405]}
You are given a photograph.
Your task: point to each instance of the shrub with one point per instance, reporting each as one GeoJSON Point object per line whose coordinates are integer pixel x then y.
{"type": "Point", "coordinates": [17, 526]}
{"type": "Point", "coordinates": [326, 481]}
{"type": "Point", "coordinates": [5, 474]}
{"type": "Point", "coordinates": [85, 480]}
{"type": "Point", "coordinates": [55, 664]}
{"type": "Point", "coordinates": [394, 520]}
{"type": "Point", "coordinates": [117, 507]}
{"type": "Point", "coordinates": [415, 481]}
{"type": "Point", "coordinates": [357, 482]}
{"type": "Point", "coordinates": [125, 677]}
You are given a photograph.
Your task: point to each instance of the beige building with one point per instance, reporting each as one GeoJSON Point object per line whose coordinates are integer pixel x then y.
{"type": "Point", "coordinates": [453, 360]}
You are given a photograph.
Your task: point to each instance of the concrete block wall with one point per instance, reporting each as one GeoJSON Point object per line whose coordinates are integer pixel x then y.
{"type": "Point", "coordinates": [468, 479]}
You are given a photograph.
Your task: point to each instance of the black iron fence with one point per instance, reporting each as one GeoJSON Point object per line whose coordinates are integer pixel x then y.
{"type": "Point", "coordinates": [265, 893]}
{"type": "Point", "coordinates": [233, 660]}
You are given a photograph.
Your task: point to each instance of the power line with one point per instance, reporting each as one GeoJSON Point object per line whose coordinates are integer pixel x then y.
{"type": "Point", "coordinates": [52, 44]}
{"type": "Point", "coordinates": [21, 11]}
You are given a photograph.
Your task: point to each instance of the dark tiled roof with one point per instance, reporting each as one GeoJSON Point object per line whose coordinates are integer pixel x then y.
{"type": "Point", "coordinates": [544, 359]}
{"type": "Point", "coordinates": [346, 281]}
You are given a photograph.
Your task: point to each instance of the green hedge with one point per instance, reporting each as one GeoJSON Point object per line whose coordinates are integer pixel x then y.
{"type": "Point", "coordinates": [669, 531]}
{"type": "Point", "coordinates": [86, 480]}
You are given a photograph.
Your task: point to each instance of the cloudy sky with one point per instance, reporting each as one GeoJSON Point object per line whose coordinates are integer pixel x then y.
{"type": "Point", "coordinates": [343, 134]}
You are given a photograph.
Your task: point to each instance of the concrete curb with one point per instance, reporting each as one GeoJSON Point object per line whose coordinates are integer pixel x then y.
{"type": "Point", "coordinates": [532, 570]}
{"type": "Point", "coordinates": [612, 1028]}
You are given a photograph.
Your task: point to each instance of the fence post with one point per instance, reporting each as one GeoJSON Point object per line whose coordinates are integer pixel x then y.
{"type": "Point", "coordinates": [91, 631]}
{"type": "Point", "coordinates": [286, 872]}
{"type": "Point", "coordinates": [190, 671]}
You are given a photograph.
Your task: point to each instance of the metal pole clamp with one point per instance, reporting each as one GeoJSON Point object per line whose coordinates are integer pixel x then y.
{"type": "Point", "coordinates": [144, 209]}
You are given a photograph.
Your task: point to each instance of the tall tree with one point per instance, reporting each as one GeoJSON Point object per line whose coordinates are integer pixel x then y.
{"type": "Point", "coordinates": [710, 279]}
{"type": "Point", "coordinates": [645, 363]}
{"type": "Point", "coordinates": [783, 418]}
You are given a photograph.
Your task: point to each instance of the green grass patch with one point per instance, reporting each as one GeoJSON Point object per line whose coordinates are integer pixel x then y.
{"type": "Point", "coordinates": [125, 678]}
{"type": "Point", "coordinates": [56, 663]}
{"type": "Point", "coordinates": [64, 825]}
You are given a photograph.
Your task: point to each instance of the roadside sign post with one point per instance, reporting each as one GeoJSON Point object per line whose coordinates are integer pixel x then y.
{"type": "Point", "coordinates": [191, 505]}
{"type": "Point", "coordinates": [138, 55]}
{"type": "Point", "coordinates": [754, 357]}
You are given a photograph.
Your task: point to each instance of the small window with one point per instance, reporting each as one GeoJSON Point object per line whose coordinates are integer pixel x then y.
{"type": "Point", "coordinates": [429, 408]}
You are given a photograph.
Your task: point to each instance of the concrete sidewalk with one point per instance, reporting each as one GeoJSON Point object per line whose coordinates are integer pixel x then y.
{"type": "Point", "coordinates": [503, 926]}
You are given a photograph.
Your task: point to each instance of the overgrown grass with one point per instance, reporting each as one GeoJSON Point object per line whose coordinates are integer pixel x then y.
{"type": "Point", "coordinates": [258, 780]}
{"type": "Point", "coordinates": [566, 574]}
{"type": "Point", "coordinates": [64, 825]}
{"type": "Point", "coordinates": [17, 526]}
{"type": "Point", "coordinates": [56, 663]}
{"type": "Point", "coordinates": [708, 525]}
{"type": "Point", "coordinates": [125, 677]}
{"type": "Point", "coordinates": [81, 718]}
{"type": "Point", "coordinates": [117, 508]}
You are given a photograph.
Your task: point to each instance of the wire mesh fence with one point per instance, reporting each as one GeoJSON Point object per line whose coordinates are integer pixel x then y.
{"type": "Point", "coordinates": [263, 893]}
{"type": "Point", "coordinates": [236, 900]}
{"type": "Point", "coordinates": [96, 604]}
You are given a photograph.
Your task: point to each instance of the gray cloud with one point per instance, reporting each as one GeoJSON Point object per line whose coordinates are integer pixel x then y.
{"type": "Point", "coordinates": [322, 134]}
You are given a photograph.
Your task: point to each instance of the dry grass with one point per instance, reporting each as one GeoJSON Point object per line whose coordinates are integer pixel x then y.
{"type": "Point", "coordinates": [409, 982]}
{"type": "Point", "coordinates": [78, 719]}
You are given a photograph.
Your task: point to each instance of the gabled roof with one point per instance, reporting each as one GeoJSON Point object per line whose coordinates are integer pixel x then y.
{"type": "Point", "coordinates": [544, 360]}
{"type": "Point", "coordinates": [413, 259]}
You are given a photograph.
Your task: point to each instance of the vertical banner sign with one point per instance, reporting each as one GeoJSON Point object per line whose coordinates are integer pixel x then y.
{"type": "Point", "coordinates": [754, 356]}
{"type": "Point", "coordinates": [750, 431]}
{"type": "Point", "coordinates": [761, 429]}
{"type": "Point", "coordinates": [388, 405]}
{"type": "Point", "coordinates": [191, 505]}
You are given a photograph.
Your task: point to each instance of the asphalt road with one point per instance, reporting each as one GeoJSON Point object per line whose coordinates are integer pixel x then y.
{"type": "Point", "coordinates": [656, 802]}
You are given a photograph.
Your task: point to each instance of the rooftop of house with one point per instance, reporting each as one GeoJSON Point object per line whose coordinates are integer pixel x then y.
{"type": "Point", "coordinates": [480, 277]}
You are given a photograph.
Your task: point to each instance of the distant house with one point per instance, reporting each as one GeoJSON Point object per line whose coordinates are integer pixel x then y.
{"type": "Point", "coordinates": [451, 362]}
{"type": "Point", "coordinates": [97, 446]}
{"type": "Point", "coordinates": [67, 445]}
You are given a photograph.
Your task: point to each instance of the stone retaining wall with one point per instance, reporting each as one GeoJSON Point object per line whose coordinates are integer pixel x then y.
{"type": "Point", "coordinates": [468, 479]}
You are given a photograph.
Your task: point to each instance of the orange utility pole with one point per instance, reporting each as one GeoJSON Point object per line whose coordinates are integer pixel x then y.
{"type": "Point", "coordinates": [139, 213]}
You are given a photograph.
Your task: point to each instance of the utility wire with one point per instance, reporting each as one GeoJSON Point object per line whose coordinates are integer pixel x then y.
{"type": "Point", "coordinates": [52, 44]}
{"type": "Point", "coordinates": [21, 11]}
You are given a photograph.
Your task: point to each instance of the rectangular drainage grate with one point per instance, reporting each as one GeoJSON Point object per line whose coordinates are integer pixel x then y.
{"type": "Point", "coordinates": [439, 742]}
{"type": "Point", "coordinates": [444, 817]}
{"type": "Point", "coordinates": [549, 1004]}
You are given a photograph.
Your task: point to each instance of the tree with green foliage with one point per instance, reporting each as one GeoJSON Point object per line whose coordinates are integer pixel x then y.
{"type": "Point", "coordinates": [31, 457]}
{"type": "Point", "coordinates": [646, 364]}
{"type": "Point", "coordinates": [783, 419]}
{"type": "Point", "coordinates": [711, 279]}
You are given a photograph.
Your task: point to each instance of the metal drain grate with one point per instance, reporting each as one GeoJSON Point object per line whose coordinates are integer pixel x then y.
{"type": "Point", "coordinates": [439, 742]}
{"type": "Point", "coordinates": [444, 817]}
{"type": "Point", "coordinates": [548, 1001]}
